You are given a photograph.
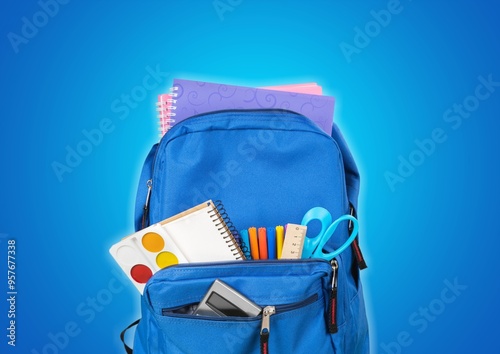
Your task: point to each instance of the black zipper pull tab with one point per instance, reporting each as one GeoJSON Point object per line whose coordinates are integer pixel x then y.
{"type": "Point", "coordinates": [355, 244]}
{"type": "Point", "coordinates": [145, 209]}
{"type": "Point", "coordinates": [265, 329]}
{"type": "Point", "coordinates": [359, 256]}
{"type": "Point", "coordinates": [332, 310]}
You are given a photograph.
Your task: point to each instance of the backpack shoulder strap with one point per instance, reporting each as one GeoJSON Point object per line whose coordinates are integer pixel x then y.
{"type": "Point", "coordinates": [352, 187]}
{"type": "Point", "coordinates": [351, 170]}
{"type": "Point", "coordinates": [122, 336]}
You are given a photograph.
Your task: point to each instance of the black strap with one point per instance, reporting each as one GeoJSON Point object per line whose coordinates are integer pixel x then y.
{"type": "Point", "coordinates": [264, 343]}
{"type": "Point", "coordinates": [122, 336]}
{"type": "Point", "coordinates": [360, 259]}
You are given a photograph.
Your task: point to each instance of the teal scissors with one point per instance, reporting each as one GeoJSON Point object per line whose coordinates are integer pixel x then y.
{"type": "Point", "coordinates": [313, 246]}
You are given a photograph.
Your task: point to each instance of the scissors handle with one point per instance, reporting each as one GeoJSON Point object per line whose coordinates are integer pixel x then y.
{"type": "Point", "coordinates": [318, 253]}
{"type": "Point", "coordinates": [323, 216]}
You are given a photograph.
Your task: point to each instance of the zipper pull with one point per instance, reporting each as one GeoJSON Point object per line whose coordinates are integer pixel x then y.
{"type": "Point", "coordinates": [265, 329]}
{"type": "Point", "coordinates": [145, 212]}
{"type": "Point", "coordinates": [332, 311]}
{"type": "Point", "coordinates": [359, 256]}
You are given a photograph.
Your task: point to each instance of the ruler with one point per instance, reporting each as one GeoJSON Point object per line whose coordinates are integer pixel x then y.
{"type": "Point", "coordinates": [294, 241]}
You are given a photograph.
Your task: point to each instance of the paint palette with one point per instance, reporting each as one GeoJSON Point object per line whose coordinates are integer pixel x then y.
{"type": "Point", "coordinates": [146, 252]}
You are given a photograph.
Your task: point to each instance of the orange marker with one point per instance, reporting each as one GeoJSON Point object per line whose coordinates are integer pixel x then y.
{"type": "Point", "coordinates": [262, 243]}
{"type": "Point", "coordinates": [254, 242]}
{"type": "Point", "coordinates": [280, 238]}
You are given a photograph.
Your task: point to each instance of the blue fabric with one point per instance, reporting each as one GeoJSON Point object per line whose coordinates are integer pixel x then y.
{"type": "Point", "coordinates": [268, 167]}
{"type": "Point", "coordinates": [284, 284]}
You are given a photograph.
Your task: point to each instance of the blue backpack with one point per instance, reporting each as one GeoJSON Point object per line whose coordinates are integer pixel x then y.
{"type": "Point", "coordinates": [268, 167]}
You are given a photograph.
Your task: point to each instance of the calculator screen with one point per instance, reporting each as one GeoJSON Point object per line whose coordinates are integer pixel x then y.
{"type": "Point", "coordinates": [220, 304]}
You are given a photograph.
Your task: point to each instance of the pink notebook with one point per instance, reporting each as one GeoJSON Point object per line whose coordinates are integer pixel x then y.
{"type": "Point", "coordinates": [188, 98]}
{"type": "Point", "coordinates": [311, 88]}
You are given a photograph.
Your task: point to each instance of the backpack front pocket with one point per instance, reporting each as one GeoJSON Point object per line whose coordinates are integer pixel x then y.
{"type": "Point", "coordinates": [294, 296]}
{"type": "Point", "coordinates": [204, 334]}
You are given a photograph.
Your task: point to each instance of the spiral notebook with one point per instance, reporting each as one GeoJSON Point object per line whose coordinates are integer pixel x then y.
{"type": "Point", "coordinates": [199, 234]}
{"type": "Point", "coordinates": [188, 98]}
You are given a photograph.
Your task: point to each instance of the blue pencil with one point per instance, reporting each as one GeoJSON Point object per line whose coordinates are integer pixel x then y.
{"type": "Point", "coordinates": [245, 243]}
{"type": "Point", "coordinates": [271, 242]}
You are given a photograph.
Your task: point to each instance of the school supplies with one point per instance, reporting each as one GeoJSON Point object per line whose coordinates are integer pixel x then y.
{"type": "Point", "coordinates": [202, 234]}
{"type": "Point", "coordinates": [189, 98]}
{"type": "Point", "coordinates": [245, 240]}
{"type": "Point", "coordinates": [166, 104]}
{"type": "Point", "coordinates": [271, 242]}
{"type": "Point", "coordinates": [254, 242]}
{"type": "Point", "coordinates": [146, 252]}
{"type": "Point", "coordinates": [313, 246]}
{"type": "Point", "coordinates": [280, 238]}
{"type": "Point", "coordinates": [221, 300]}
{"type": "Point", "coordinates": [166, 112]}
{"type": "Point", "coordinates": [311, 88]}
{"type": "Point", "coordinates": [199, 234]}
{"type": "Point", "coordinates": [294, 241]}
{"type": "Point", "coordinates": [262, 243]}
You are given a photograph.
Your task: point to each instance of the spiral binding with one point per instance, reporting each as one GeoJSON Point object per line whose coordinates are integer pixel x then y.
{"type": "Point", "coordinates": [165, 107]}
{"type": "Point", "coordinates": [228, 230]}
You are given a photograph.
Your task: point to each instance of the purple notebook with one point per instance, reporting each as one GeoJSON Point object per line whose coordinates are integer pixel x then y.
{"type": "Point", "coordinates": [196, 97]}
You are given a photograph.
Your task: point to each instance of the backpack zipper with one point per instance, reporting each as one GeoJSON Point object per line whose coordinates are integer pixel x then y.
{"type": "Point", "coordinates": [145, 209]}
{"type": "Point", "coordinates": [268, 311]}
{"type": "Point", "coordinates": [278, 308]}
{"type": "Point", "coordinates": [332, 310]}
{"type": "Point", "coordinates": [265, 328]}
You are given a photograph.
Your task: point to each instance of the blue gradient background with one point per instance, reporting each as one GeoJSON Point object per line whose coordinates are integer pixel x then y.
{"type": "Point", "coordinates": [439, 224]}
